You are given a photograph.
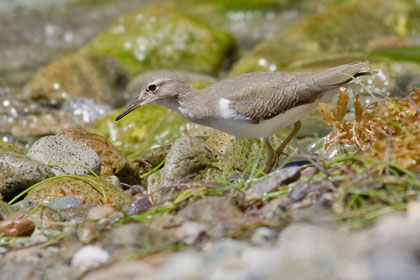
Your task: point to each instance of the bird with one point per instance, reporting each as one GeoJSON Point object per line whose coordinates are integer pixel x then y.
{"type": "Point", "coordinates": [253, 105]}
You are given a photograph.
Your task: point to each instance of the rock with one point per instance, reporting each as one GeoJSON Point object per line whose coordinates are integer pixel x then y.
{"type": "Point", "coordinates": [19, 172]}
{"type": "Point", "coordinates": [8, 146]}
{"type": "Point", "coordinates": [76, 75]}
{"type": "Point", "coordinates": [139, 236]}
{"type": "Point", "coordinates": [308, 246]}
{"type": "Point", "coordinates": [24, 118]}
{"type": "Point", "coordinates": [413, 210]}
{"type": "Point", "coordinates": [320, 35]}
{"type": "Point", "coordinates": [273, 209]}
{"type": "Point", "coordinates": [263, 236]}
{"type": "Point", "coordinates": [319, 193]}
{"type": "Point", "coordinates": [67, 153]}
{"type": "Point", "coordinates": [113, 180]}
{"type": "Point", "coordinates": [275, 180]}
{"type": "Point", "coordinates": [210, 209]}
{"type": "Point", "coordinates": [101, 212]}
{"type": "Point", "coordinates": [322, 44]}
{"type": "Point", "coordinates": [5, 210]}
{"type": "Point", "coordinates": [112, 160]}
{"type": "Point", "coordinates": [14, 227]}
{"type": "Point", "coordinates": [394, 248]}
{"type": "Point", "coordinates": [157, 37]}
{"type": "Point", "coordinates": [89, 257]}
{"type": "Point", "coordinates": [175, 268]}
{"type": "Point", "coordinates": [22, 271]}
{"type": "Point", "coordinates": [130, 270]}
{"type": "Point", "coordinates": [250, 22]}
{"type": "Point", "coordinates": [65, 202]}
{"type": "Point", "coordinates": [223, 251]}
{"type": "Point", "coordinates": [152, 158]}
{"type": "Point", "coordinates": [23, 205]}
{"type": "Point", "coordinates": [88, 189]}
{"type": "Point", "coordinates": [143, 129]}
{"type": "Point", "coordinates": [191, 232]}
{"type": "Point", "coordinates": [139, 205]}
{"type": "Point", "coordinates": [236, 154]}
{"type": "Point", "coordinates": [76, 214]}
{"type": "Point", "coordinates": [186, 156]}
{"type": "Point", "coordinates": [235, 5]}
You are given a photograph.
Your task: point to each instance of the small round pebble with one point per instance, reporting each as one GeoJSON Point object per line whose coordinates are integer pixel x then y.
{"type": "Point", "coordinates": [88, 257]}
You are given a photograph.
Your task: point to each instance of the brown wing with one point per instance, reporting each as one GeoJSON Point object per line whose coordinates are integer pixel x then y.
{"type": "Point", "coordinates": [262, 95]}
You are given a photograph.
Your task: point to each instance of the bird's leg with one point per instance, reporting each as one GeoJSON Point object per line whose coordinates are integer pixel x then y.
{"type": "Point", "coordinates": [289, 137]}
{"type": "Point", "coordinates": [272, 157]}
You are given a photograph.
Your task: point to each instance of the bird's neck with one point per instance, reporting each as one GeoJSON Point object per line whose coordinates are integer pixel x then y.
{"type": "Point", "coordinates": [171, 103]}
{"type": "Point", "coordinates": [174, 102]}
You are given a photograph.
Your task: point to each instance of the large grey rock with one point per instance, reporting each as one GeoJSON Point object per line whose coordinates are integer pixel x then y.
{"type": "Point", "coordinates": [70, 156]}
{"type": "Point", "coordinates": [18, 172]}
{"type": "Point", "coordinates": [186, 156]}
{"type": "Point", "coordinates": [65, 202]}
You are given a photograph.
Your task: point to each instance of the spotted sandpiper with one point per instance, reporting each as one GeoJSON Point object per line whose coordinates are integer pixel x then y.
{"type": "Point", "coordinates": [253, 105]}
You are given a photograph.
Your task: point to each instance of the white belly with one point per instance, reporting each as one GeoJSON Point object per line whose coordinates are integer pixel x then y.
{"type": "Point", "coordinates": [264, 128]}
{"type": "Point", "coordinates": [268, 127]}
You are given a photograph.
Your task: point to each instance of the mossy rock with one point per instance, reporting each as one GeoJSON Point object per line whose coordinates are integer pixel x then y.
{"type": "Point", "coordinates": [87, 188]}
{"type": "Point", "coordinates": [113, 162]}
{"type": "Point", "coordinates": [76, 75]}
{"type": "Point", "coordinates": [348, 29]}
{"type": "Point", "coordinates": [232, 5]}
{"type": "Point", "coordinates": [145, 128]}
{"type": "Point", "coordinates": [8, 146]}
{"type": "Point", "coordinates": [157, 37]}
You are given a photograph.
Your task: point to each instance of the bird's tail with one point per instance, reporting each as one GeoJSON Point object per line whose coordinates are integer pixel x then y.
{"type": "Point", "coordinates": [343, 74]}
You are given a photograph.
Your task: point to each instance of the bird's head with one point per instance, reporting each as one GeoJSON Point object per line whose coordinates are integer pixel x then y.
{"type": "Point", "coordinates": [161, 88]}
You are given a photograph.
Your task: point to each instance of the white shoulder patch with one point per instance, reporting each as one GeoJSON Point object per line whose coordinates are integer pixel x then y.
{"type": "Point", "coordinates": [224, 109]}
{"type": "Point", "coordinates": [227, 112]}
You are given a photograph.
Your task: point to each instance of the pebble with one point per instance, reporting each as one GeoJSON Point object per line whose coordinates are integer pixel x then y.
{"type": "Point", "coordinates": [69, 155]}
{"type": "Point", "coordinates": [14, 227]}
{"type": "Point", "coordinates": [19, 172]}
{"type": "Point", "coordinates": [88, 257]}
{"type": "Point", "coordinates": [65, 202]}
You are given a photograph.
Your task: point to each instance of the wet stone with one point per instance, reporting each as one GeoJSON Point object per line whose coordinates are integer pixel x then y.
{"type": "Point", "coordinates": [96, 77]}
{"type": "Point", "coordinates": [138, 235]}
{"type": "Point", "coordinates": [69, 155]}
{"type": "Point", "coordinates": [16, 227]}
{"type": "Point", "coordinates": [5, 210]}
{"type": "Point", "coordinates": [19, 172]}
{"type": "Point", "coordinates": [157, 37]}
{"type": "Point", "coordinates": [186, 156]}
{"type": "Point", "coordinates": [113, 162]}
{"type": "Point", "coordinates": [139, 206]}
{"type": "Point", "coordinates": [65, 202]}
{"type": "Point", "coordinates": [89, 189]}
{"type": "Point", "coordinates": [275, 180]}
{"type": "Point", "coordinates": [211, 209]}
{"type": "Point", "coordinates": [312, 193]}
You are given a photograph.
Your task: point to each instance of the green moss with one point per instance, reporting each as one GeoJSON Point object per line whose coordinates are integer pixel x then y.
{"type": "Point", "coordinates": [93, 2]}
{"type": "Point", "coordinates": [142, 130]}
{"type": "Point", "coordinates": [88, 188]}
{"type": "Point", "coordinates": [341, 31]}
{"type": "Point", "coordinates": [159, 37]}
{"type": "Point", "coordinates": [234, 5]}
{"type": "Point", "coordinates": [411, 54]}
{"type": "Point", "coordinates": [8, 146]}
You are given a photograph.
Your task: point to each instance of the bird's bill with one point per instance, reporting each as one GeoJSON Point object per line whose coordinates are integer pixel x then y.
{"type": "Point", "coordinates": [138, 103]}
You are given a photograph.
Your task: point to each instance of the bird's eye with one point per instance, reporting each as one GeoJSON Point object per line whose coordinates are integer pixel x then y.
{"type": "Point", "coordinates": [152, 87]}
